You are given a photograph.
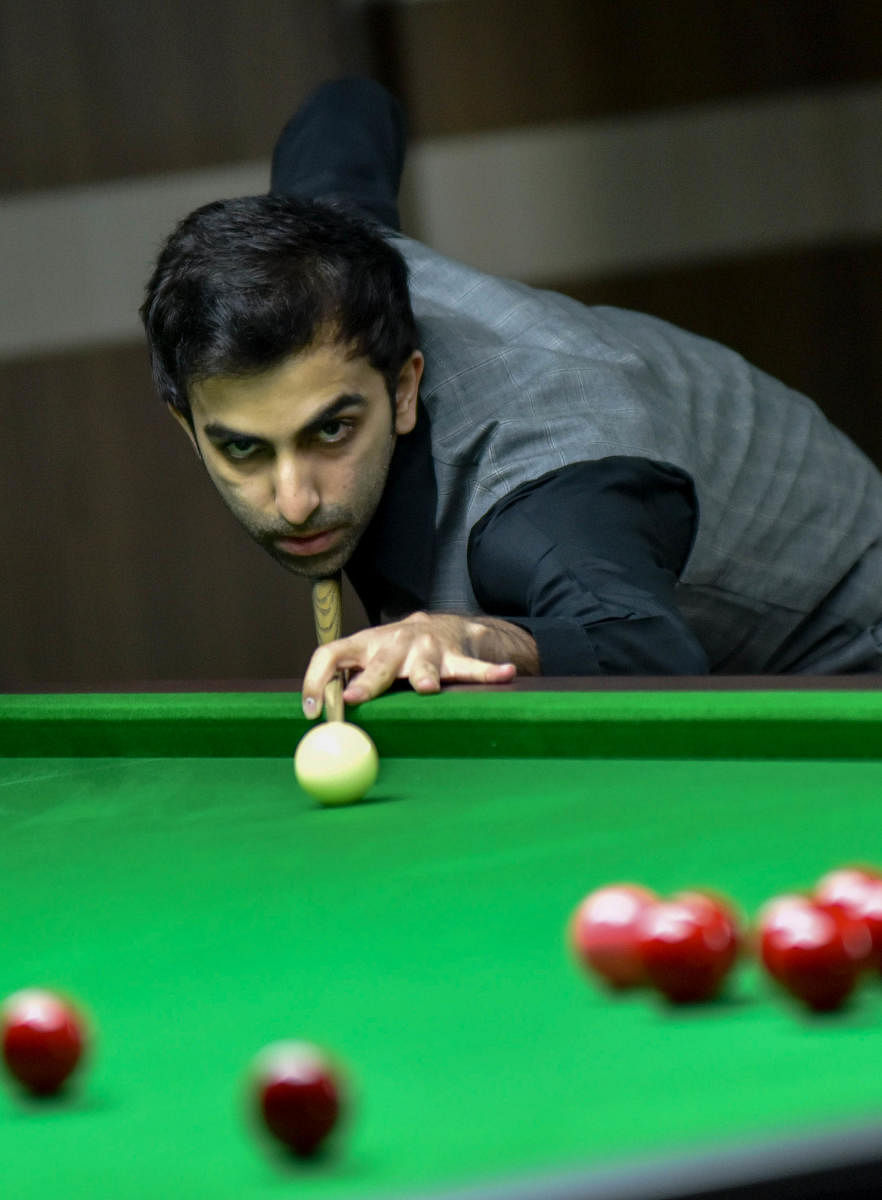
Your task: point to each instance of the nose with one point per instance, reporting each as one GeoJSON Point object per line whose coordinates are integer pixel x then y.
{"type": "Point", "coordinates": [296, 494]}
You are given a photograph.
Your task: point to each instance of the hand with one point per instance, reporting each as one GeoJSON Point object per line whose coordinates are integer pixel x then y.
{"type": "Point", "coordinates": [427, 649]}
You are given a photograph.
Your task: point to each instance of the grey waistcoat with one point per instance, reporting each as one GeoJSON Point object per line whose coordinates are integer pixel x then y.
{"type": "Point", "coordinates": [519, 382]}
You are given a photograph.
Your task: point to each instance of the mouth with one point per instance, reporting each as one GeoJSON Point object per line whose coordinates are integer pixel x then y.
{"type": "Point", "coordinates": [313, 543]}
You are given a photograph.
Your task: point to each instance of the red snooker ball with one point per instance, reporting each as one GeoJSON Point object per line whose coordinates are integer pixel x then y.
{"type": "Point", "coordinates": [857, 893]}
{"type": "Point", "coordinates": [603, 933]}
{"type": "Point", "coordinates": [43, 1040]}
{"type": "Point", "coordinates": [815, 954]}
{"type": "Point", "coordinates": [688, 946]}
{"type": "Point", "coordinates": [298, 1095]}
{"type": "Point", "coordinates": [722, 923]}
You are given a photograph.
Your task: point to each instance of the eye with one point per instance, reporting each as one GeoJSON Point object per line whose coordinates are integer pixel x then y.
{"type": "Point", "coordinates": [240, 449]}
{"type": "Point", "coordinates": [334, 430]}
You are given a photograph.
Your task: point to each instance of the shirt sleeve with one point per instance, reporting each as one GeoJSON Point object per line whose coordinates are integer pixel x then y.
{"type": "Point", "coordinates": [586, 559]}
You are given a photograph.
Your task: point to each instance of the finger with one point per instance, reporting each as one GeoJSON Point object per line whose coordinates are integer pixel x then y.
{"type": "Point", "coordinates": [355, 691]}
{"type": "Point", "coordinates": [459, 668]}
{"type": "Point", "coordinates": [386, 660]}
{"type": "Point", "coordinates": [326, 663]}
{"type": "Point", "coordinates": [500, 672]}
{"type": "Point", "coordinates": [376, 677]}
{"type": "Point", "coordinates": [425, 677]}
{"type": "Point", "coordinates": [346, 658]}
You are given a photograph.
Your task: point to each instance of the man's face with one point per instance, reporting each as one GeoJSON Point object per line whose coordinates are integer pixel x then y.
{"type": "Point", "coordinates": [300, 453]}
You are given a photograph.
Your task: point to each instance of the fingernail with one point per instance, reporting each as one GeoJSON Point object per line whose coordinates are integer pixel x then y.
{"type": "Point", "coordinates": [354, 694]}
{"type": "Point", "coordinates": [309, 706]}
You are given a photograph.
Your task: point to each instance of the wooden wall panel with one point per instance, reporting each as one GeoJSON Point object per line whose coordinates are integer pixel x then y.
{"type": "Point", "coordinates": [468, 65]}
{"type": "Point", "coordinates": [94, 90]}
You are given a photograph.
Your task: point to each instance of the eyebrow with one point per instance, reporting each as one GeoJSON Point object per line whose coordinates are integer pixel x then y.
{"type": "Point", "coordinates": [218, 432]}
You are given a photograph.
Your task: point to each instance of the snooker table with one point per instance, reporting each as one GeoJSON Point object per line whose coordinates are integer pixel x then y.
{"type": "Point", "coordinates": [160, 864]}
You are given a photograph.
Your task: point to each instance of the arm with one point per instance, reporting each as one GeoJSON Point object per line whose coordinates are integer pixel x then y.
{"type": "Point", "coordinates": [587, 559]}
{"type": "Point", "coordinates": [580, 567]}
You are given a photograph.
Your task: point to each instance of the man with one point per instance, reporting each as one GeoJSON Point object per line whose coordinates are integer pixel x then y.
{"type": "Point", "coordinates": [513, 482]}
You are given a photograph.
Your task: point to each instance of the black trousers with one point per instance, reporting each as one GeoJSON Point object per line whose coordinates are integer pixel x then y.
{"type": "Point", "coordinates": [345, 144]}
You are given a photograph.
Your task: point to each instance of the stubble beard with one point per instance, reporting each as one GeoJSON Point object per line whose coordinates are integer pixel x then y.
{"type": "Point", "coordinates": [320, 566]}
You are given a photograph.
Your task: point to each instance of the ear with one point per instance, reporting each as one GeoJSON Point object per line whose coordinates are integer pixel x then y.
{"type": "Point", "coordinates": [187, 428]}
{"type": "Point", "coordinates": [407, 392]}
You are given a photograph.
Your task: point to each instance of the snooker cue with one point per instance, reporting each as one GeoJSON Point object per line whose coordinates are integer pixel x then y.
{"type": "Point", "coordinates": [327, 611]}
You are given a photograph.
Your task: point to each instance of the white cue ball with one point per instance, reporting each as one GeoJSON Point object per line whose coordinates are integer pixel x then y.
{"type": "Point", "coordinates": [336, 762]}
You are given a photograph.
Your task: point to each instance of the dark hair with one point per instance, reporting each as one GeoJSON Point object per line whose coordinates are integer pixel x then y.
{"type": "Point", "coordinates": [242, 284]}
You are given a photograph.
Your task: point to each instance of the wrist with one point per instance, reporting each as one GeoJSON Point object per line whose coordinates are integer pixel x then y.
{"type": "Point", "coordinates": [496, 640]}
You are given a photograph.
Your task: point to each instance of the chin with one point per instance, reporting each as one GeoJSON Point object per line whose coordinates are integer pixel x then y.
{"type": "Point", "coordinates": [319, 566]}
